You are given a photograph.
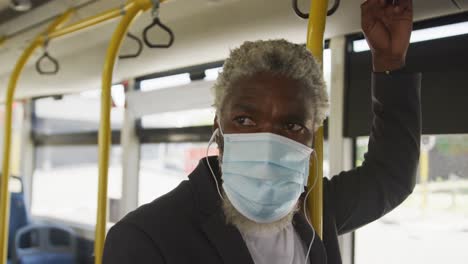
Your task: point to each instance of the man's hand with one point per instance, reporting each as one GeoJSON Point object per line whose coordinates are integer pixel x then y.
{"type": "Point", "coordinates": [387, 28]}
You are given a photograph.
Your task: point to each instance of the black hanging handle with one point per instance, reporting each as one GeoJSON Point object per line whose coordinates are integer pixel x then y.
{"type": "Point", "coordinates": [139, 50]}
{"type": "Point", "coordinates": [54, 62]}
{"type": "Point", "coordinates": [299, 13]}
{"type": "Point", "coordinates": [157, 23]}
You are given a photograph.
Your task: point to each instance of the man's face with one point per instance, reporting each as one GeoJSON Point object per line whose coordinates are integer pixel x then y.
{"type": "Point", "coordinates": [268, 103]}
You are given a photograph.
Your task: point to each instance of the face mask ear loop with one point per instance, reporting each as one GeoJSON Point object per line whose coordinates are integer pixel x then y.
{"type": "Point", "coordinates": [305, 207]}
{"type": "Point", "coordinates": [208, 162]}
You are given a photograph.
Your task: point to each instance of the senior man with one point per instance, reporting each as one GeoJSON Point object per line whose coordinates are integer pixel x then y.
{"type": "Point", "coordinates": [245, 205]}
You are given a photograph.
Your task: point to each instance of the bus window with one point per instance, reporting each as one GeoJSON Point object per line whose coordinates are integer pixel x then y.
{"type": "Point", "coordinates": [65, 182]}
{"type": "Point", "coordinates": [165, 82]}
{"type": "Point", "coordinates": [186, 118]}
{"type": "Point", "coordinates": [163, 166]}
{"type": "Point", "coordinates": [76, 113]}
{"type": "Point", "coordinates": [18, 113]}
{"type": "Point", "coordinates": [431, 225]}
{"type": "Point", "coordinates": [65, 177]}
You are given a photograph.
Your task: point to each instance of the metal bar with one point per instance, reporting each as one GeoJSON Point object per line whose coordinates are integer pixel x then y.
{"type": "Point", "coordinates": [88, 22]}
{"type": "Point", "coordinates": [424, 173]}
{"type": "Point", "coordinates": [189, 69]}
{"type": "Point", "coordinates": [71, 139]}
{"type": "Point", "coordinates": [339, 148]}
{"type": "Point", "coordinates": [27, 161]}
{"type": "Point", "coordinates": [132, 9]}
{"type": "Point", "coordinates": [315, 38]}
{"type": "Point", "coordinates": [4, 193]}
{"type": "Point", "coordinates": [131, 149]}
{"type": "Point", "coordinates": [83, 24]}
{"type": "Point", "coordinates": [105, 16]}
{"type": "Point", "coordinates": [175, 135]}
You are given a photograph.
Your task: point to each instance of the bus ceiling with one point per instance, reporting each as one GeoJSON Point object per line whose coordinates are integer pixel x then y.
{"type": "Point", "coordinates": [209, 26]}
{"type": "Point", "coordinates": [12, 21]}
{"type": "Point", "coordinates": [11, 9]}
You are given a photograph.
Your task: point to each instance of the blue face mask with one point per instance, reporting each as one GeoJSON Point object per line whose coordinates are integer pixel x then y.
{"type": "Point", "coordinates": [264, 174]}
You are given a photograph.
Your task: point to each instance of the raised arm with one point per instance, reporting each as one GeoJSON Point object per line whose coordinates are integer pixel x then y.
{"type": "Point", "coordinates": [387, 175]}
{"type": "Point", "coordinates": [387, 28]}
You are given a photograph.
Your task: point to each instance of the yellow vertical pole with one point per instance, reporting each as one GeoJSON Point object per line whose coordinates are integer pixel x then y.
{"type": "Point", "coordinates": [132, 9]}
{"type": "Point", "coordinates": [4, 193]}
{"type": "Point", "coordinates": [424, 172]}
{"type": "Point", "coordinates": [315, 39]}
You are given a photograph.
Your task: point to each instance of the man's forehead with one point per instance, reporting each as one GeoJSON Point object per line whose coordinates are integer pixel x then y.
{"type": "Point", "coordinates": [262, 89]}
{"type": "Point", "coordinates": [280, 107]}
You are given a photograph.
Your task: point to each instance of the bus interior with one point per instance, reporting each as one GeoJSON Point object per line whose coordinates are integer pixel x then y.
{"type": "Point", "coordinates": [162, 115]}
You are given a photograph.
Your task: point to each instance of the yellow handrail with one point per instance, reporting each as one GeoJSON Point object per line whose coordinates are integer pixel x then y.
{"type": "Point", "coordinates": [88, 22]}
{"type": "Point", "coordinates": [132, 9]}
{"type": "Point", "coordinates": [315, 38]}
{"type": "Point", "coordinates": [82, 24]}
{"type": "Point", "coordinates": [424, 173]}
{"type": "Point", "coordinates": [4, 193]}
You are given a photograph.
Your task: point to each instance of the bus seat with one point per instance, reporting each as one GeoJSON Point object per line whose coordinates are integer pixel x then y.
{"type": "Point", "coordinates": [18, 218]}
{"type": "Point", "coordinates": [40, 244]}
{"type": "Point", "coordinates": [35, 243]}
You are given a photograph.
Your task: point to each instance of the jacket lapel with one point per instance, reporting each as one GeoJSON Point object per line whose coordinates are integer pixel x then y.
{"type": "Point", "coordinates": [225, 238]}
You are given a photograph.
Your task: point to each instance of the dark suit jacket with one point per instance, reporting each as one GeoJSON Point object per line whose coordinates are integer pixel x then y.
{"type": "Point", "coordinates": [187, 225]}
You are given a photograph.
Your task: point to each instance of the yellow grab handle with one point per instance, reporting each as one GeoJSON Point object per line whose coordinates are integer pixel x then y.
{"type": "Point", "coordinates": [4, 193]}
{"type": "Point", "coordinates": [132, 9]}
{"type": "Point", "coordinates": [315, 38]}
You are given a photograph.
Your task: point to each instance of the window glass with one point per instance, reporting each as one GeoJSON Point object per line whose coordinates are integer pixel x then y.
{"type": "Point", "coordinates": [431, 226]}
{"type": "Point", "coordinates": [212, 74]}
{"type": "Point", "coordinates": [65, 182]}
{"type": "Point", "coordinates": [77, 112]}
{"type": "Point", "coordinates": [17, 119]}
{"type": "Point", "coordinates": [164, 166]}
{"type": "Point", "coordinates": [186, 118]}
{"type": "Point", "coordinates": [165, 82]}
{"type": "Point", "coordinates": [424, 35]}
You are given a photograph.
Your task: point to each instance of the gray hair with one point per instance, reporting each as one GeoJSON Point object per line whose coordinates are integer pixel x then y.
{"type": "Point", "coordinates": [279, 57]}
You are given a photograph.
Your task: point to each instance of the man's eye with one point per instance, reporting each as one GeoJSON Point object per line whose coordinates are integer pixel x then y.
{"type": "Point", "coordinates": [244, 121]}
{"type": "Point", "coordinates": [294, 127]}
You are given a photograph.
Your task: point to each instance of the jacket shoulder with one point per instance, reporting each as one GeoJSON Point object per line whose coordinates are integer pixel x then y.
{"type": "Point", "coordinates": [125, 243]}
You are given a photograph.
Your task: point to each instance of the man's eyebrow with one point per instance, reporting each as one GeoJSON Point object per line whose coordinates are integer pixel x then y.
{"type": "Point", "coordinates": [297, 114]}
{"type": "Point", "coordinates": [296, 117]}
{"type": "Point", "coordinates": [245, 107]}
